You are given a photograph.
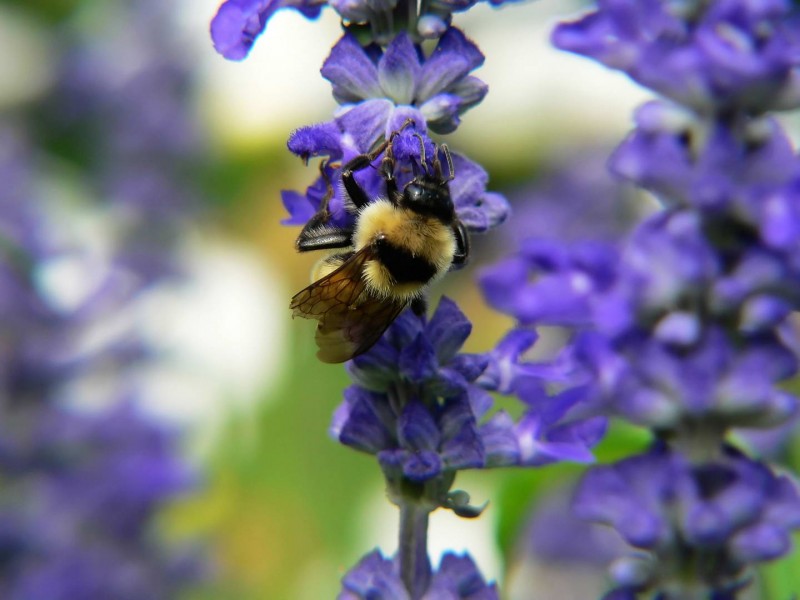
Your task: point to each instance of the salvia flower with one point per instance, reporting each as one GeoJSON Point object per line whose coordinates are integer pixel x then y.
{"type": "Point", "coordinates": [417, 405]}
{"type": "Point", "coordinates": [730, 54]}
{"type": "Point", "coordinates": [685, 330]}
{"type": "Point", "coordinates": [714, 518]}
{"type": "Point", "coordinates": [547, 282]}
{"type": "Point", "coordinates": [81, 488]}
{"type": "Point", "coordinates": [375, 83]}
{"type": "Point", "coordinates": [646, 350]}
{"type": "Point", "coordinates": [479, 209]}
{"type": "Point", "coordinates": [238, 23]}
{"type": "Point", "coordinates": [381, 90]}
{"type": "Point", "coordinates": [378, 577]}
{"type": "Point", "coordinates": [682, 159]}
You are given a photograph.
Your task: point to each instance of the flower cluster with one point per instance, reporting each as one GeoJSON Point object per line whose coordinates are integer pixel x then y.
{"type": "Point", "coordinates": [416, 403]}
{"type": "Point", "coordinates": [85, 472]}
{"type": "Point", "coordinates": [238, 23]}
{"type": "Point", "coordinates": [698, 522]}
{"type": "Point", "coordinates": [378, 577]}
{"type": "Point", "coordinates": [380, 91]}
{"type": "Point", "coordinates": [129, 129]}
{"type": "Point", "coordinates": [419, 405]}
{"type": "Point", "coordinates": [683, 326]}
{"type": "Point", "coordinates": [80, 487]}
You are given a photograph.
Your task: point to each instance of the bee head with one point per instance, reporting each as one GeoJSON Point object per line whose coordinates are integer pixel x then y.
{"type": "Point", "coordinates": [429, 193]}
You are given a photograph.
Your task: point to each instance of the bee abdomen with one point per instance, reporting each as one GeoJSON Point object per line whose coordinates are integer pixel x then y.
{"type": "Point", "coordinates": [402, 265]}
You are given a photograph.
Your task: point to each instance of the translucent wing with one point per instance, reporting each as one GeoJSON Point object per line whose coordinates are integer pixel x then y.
{"type": "Point", "coordinates": [351, 318]}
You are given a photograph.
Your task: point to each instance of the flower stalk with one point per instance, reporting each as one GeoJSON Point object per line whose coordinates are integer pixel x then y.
{"type": "Point", "coordinates": [416, 403]}
{"type": "Point", "coordinates": [415, 566]}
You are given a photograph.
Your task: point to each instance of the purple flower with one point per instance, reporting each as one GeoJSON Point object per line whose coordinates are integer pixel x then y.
{"type": "Point", "coordinates": [547, 282]}
{"type": "Point", "coordinates": [414, 402]}
{"type": "Point", "coordinates": [82, 489]}
{"type": "Point", "coordinates": [725, 168]}
{"type": "Point", "coordinates": [552, 429]}
{"type": "Point", "coordinates": [663, 385]}
{"type": "Point", "coordinates": [416, 405]}
{"type": "Point", "coordinates": [733, 509]}
{"type": "Point", "coordinates": [378, 577]}
{"type": "Point", "coordinates": [372, 86]}
{"type": "Point", "coordinates": [574, 200]}
{"type": "Point", "coordinates": [732, 54]}
{"type": "Point", "coordinates": [238, 23]}
{"type": "Point", "coordinates": [643, 348]}
{"type": "Point", "coordinates": [477, 208]}
{"type": "Point", "coordinates": [129, 129]}
{"type": "Point", "coordinates": [553, 528]}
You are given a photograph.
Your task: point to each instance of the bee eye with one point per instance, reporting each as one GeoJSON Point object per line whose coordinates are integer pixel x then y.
{"type": "Point", "coordinates": [415, 193]}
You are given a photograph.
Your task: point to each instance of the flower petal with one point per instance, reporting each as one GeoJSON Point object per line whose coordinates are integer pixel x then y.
{"type": "Point", "coordinates": [399, 69]}
{"type": "Point", "coordinates": [351, 72]}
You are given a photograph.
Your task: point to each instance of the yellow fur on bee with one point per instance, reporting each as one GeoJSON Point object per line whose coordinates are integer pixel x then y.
{"type": "Point", "coordinates": [422, 236]}
{"type": "Point", "coordinates": [326, 265]}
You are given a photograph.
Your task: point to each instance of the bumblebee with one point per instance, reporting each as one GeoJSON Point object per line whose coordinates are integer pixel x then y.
{"type": "Point", "coordinates": [398, 246]}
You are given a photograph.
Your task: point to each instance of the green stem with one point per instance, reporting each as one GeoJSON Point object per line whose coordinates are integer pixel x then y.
{"type": "Point", "coordinates": [415, 568]}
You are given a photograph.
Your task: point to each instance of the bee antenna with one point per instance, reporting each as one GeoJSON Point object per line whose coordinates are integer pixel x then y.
{"type": "Point", "coordinates": [451, 170]}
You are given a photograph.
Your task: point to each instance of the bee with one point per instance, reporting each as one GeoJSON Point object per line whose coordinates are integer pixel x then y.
{"type": "Point", "coordinates": [398, 246]}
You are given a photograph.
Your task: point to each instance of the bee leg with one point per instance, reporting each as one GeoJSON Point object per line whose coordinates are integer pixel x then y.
{"type": "Point", "coordinates": [322, 215]}
{"type": "Point", "coordinates": [315, 236]}
{"type": "Point", "coordinates": [419, 305]}
{"type": "Point", "coordinates": [356, 193]}
{"type": "Point", "coordinates": [316, 233]}
{"type": "Point", "coordinates": [461, 254]}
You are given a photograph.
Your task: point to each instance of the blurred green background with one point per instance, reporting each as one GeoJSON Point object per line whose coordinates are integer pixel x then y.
{"type": "Point", "coordinates": [283, 509]}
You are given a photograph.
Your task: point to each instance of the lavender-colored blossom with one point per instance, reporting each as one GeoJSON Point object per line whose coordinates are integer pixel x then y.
{"type": "Point", "coordinates": [238, 23]}
{"type": "Point", "coordinates": [378, 577]}
{"type": "Point", "coordinates": [84, 486]}
{"type": "Point", "coordinates": [383, 90]}
{"type": "Point", "coordinates": [663, 385]}
{"type": "Point", "coordinates": [553, 528]}
{"type": "Point", "coordinates": [415, 404]}
{"type": "Point", "coordinates": [732, 54]}
{"type": "Point", "coordinates": [129, 128]}
{"type": "Point", "coordinates": [574, 199]}
{"type": "Point", "coordinates": [477, 208]}
{"type": "Point", "coordinates": [81, 487]}
{"type": "Point", "coordinates": [724, 167]}
{"type": "Point", "coordinates": [376, 84]}
{"type": "Point", "coordinates": [682, 328]}
{"type": "Point", "coordinates": [81, 490]}
{"type": "Point", "coordinates": [546, 282]}
{"type": "Point", "coordinates": [732, 510]}
{"type": "Point", "coordinates": [642, 350]}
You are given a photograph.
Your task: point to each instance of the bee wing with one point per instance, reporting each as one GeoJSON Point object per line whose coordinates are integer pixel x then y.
{"type": "Point", "coordinates": [346, 335]}
{"type": "Point", "coordinates": [351, 319]}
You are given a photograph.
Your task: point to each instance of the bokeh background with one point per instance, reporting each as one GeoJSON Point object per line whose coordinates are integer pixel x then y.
{"type": "Point", "coordinates": [142, 133]}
